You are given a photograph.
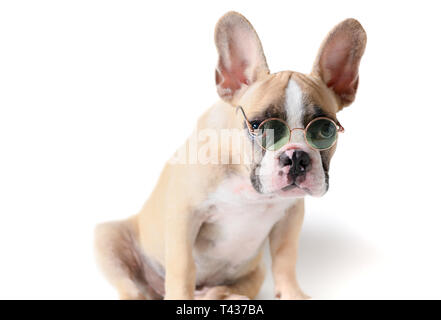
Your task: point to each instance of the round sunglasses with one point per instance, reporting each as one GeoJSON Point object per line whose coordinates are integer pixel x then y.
{"type": "Point", "coordinates": [273, 133]}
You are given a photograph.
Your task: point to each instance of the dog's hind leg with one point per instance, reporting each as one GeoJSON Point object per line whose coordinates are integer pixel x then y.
{"type": "Point", "coordinates": [121, 260]}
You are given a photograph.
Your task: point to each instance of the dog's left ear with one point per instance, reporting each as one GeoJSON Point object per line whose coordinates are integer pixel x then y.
{"type": "Point", "coordinates": [338, 60]}
{"type": "Point", "coordinates": [241, 58]}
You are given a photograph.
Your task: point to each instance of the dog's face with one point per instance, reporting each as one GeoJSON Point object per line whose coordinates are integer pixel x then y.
{"type": "Point", "coordinates": [296, 169]}
{"type": "Point", "coordinates": [243, 79]}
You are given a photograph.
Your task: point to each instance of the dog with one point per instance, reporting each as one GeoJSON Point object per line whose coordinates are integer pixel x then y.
{"type": "Point", "coordinates": [201, 233]}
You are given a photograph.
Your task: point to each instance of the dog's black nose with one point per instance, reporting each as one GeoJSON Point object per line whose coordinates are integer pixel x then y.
{"type": "Point", "coordinates": [299, 162]}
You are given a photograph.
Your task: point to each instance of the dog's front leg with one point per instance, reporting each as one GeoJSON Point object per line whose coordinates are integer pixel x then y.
{"type": "Point", "coordinates": [284, 238]}
{"type": "Point", "coordinates": [180, 270]}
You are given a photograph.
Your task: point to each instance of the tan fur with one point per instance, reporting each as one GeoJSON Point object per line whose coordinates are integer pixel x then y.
{"type": "Point", "coordinates": [137, 254]}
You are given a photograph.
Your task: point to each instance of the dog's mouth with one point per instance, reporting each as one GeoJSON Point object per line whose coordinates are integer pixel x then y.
{"type": "Point", "coordinates": [290, 187]}
{"type": "Point", "coordinates": [293, 186]}
{"type": "Point", "coordinates": [294, 182]}
{"type": "Point", "coordinates": [283, 183]}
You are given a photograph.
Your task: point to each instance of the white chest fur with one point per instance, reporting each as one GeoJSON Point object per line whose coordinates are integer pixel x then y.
{"type": "Point", "coordinates": [237, 222]}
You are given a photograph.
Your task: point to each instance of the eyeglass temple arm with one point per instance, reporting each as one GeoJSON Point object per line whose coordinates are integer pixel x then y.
{"type": "Point", "coordinates": [340, 127]}
{"type": "Point", "coordinates": [250, 128]}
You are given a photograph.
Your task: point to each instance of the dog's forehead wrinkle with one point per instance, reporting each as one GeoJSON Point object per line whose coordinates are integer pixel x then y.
{"type": "Point", "coordinates": [275, 110]}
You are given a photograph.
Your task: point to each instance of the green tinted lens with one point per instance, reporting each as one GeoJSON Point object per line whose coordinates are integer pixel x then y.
{"type": "Point", "coordinates": [274, 134]}
{"type": "Point", "coordinates": [321, 134]}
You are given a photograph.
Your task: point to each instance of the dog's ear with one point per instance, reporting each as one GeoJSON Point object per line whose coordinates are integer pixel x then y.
{"type": "Point", "coordinates": [241, 58]}
{"type": "Point", "coordinates": [338, 60]}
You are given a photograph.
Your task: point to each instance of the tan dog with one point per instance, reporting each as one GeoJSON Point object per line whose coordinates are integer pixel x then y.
{"type": "Point", "coordinates": [201, 233]}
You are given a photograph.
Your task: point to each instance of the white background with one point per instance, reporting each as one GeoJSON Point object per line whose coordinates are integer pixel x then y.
{"type": "Point", "coordinates": [96, 95]}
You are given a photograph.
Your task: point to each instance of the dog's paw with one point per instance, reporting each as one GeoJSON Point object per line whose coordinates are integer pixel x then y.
{"type": "Point", "coordinates": [218, 293]}
{"type": "Point", "coordinates": [292, 295]}
{"type": "Point", "coordinates": [236, 297]}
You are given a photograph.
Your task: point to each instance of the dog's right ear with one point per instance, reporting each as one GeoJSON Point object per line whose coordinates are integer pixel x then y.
{"type": "Point", "coordinates": [241, 57]}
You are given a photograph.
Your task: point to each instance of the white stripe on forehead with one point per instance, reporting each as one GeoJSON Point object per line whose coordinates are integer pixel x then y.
{"type": "Point", "coordinates": [294, 105]}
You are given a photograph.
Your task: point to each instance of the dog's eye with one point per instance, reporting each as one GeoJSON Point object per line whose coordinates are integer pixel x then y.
{"type": "Point", "coordinates": [255, 124]}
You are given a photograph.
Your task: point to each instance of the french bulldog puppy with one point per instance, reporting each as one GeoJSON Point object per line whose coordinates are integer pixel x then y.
{"type": "Point", "coordinates": [201, 232]}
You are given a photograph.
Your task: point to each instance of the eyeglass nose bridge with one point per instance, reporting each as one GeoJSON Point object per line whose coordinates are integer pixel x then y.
{"type": "Point", "coordinates": [293, 130]}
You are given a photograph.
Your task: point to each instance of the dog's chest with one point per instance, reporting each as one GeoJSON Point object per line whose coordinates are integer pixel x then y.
{"type": "Point", "coordinates": [237, 221]}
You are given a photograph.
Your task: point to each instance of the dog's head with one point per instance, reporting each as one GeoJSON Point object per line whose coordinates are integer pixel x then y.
{"type": "Point", "coordinates": [243, 79]}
